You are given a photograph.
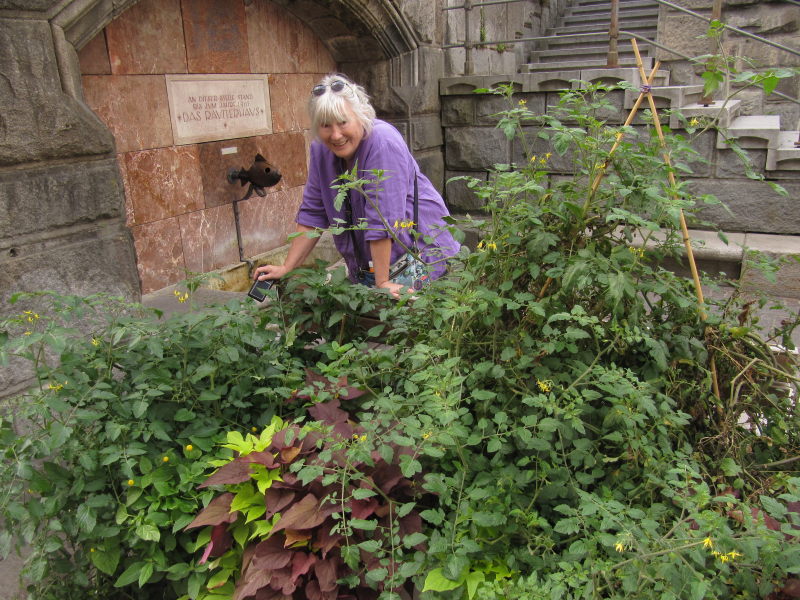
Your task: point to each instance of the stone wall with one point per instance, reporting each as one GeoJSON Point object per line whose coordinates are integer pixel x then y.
{"type": "Point", "coordinates": [62, 213]}
{"type": "Point", "coordinates": [492, 24]}
{"type": "Point", "coordinates": [473, 144]}
{"type": "Point", "coordinates": [777, 21]}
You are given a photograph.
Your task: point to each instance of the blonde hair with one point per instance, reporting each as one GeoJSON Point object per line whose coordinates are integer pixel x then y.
{"type": "Point", "coordinates": [329, 107]}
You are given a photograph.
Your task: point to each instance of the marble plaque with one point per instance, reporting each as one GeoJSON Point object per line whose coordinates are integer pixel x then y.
{"type": "Point", "coordinates": [204, 108]}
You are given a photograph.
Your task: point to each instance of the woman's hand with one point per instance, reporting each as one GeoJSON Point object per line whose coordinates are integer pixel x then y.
{"type": "Point", "coordinates": [395, 288]}
{"type": "Point", "coordinates": [270, 272]}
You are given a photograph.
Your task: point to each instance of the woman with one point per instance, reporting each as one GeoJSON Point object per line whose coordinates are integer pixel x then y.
{"type": "Point", "coordinates": [349, 135]}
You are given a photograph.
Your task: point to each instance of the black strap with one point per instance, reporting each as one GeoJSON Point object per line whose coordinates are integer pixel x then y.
{"type": "Point", "coordinates": [414, 229]}
{"type": "Point", "coordinates": [348, 214]}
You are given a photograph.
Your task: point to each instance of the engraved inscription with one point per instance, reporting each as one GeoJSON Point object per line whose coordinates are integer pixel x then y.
{"type": "Point", "coordinates": [218, 107]}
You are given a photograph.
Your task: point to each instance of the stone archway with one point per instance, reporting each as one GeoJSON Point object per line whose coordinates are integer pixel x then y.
{"type": "Point", "coordinates": [62, 205]}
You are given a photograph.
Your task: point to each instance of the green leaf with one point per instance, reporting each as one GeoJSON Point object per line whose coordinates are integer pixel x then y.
{"type": "Point", "coordinates": [437, 582]}
{"type": "Point", "coordinates": [365, 524]}
{"type": "Point", "coordinates": [129, 575]}
{"type": "Point", "coordinates": [105, 560]}
{"type": "Point", "coordinates": [363, 493]}
{"type": "Point", "coordinates": [773, 507]}
{"type": "Point", "coordinates": [148, 532]}
{"type": "Point", "coordinates": [145, 574]}
{"type": "Point", "coordinates": [184, 414]}
{"type": "Point", "coordinates": [85, 518]}
{"type": "Point", "coordinates": [474, 579]}
{"type": "Point", "coordinates": [567, 526]}
{"type": "Point", "coordinates": [729, 467]}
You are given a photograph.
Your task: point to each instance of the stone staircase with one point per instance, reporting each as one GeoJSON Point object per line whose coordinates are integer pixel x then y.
{"type": "Point", "coordinates": [583, 34]}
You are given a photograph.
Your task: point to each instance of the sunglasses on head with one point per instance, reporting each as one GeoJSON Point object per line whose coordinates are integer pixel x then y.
{"type": "Point", "coordinates": [337, 85]}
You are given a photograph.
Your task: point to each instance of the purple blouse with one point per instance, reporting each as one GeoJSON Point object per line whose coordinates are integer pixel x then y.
{"type": "Point", "coordinates": [384, 148]}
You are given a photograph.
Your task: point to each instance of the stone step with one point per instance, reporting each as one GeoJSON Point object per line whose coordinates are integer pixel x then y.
{"type": "Point", "coordinates": [786, 155]}
{"type": "Point", "coordinates": [715, 257]}
{"type": "Point", "coordinates": [644, 27]}
{"type": "Point", "coordinates": [722, 113]}
{"type": "Point", "coordinates": [672, 96]}
{"type": "Point", "coordinates": [752, 131]}
{"type": "Point", "coordinates": [605, 8]}
{"type": "Point", "coordinates": [624, 18]}
{"type": "Point", "coordinates": [580, 65]}
{"type": "Point", "coordinates": [607, 3]}
{"type": "Point", "coordinates": [583, 53]}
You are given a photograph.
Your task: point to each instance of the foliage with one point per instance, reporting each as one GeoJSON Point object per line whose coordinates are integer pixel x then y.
{"type": "Point", "coordinates": [303, 517]}
{"type": "Point", "coordinates": [101, 469]}
{"type": "Point", "coordinates": [547, 410]}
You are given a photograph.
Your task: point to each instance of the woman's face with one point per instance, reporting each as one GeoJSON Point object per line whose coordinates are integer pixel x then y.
{"type": "Point", "coordinates": [342, 138]}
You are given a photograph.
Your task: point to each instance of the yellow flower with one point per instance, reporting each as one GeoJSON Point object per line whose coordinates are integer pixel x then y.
{"type": "Point", "coordinates": [91, 549]}
{"type": "Point", "coordinates": [523, 102]}
{"type": "Point", "coordinates": [708, 543]}
{"type": "Point", "coordinates": [491, 246]}
{"type": "Point", "coordinates": [181, 297]}
{"type": "Point", "coordinates": [733, 554]}
{"type": "Point", "coordinates": [56, 387]}
{"type": "Point", "coordinates": [396, 224]}
{"type": "Point", "coordinates": [545, 385]}
{"type": "Point", "coordinates": [543, 160]}
{"type": "Point", "coordinates": [547, 155]}
{"type": "Point", "coordinates": [131, 482]}
{"type": "Point", "coordinates": [363, 438]}
{"type": "Point", "coordinates": [533, 158]}
{"type": "Point", "coordinates": [189, 447]}
{"type": "Point", "coordinates": [28, 333]}
{"type": "Point", "coordinates": [724, 558]}
{"type": "Point", "coordinates": [425, 436]}
{"type": "Point", "coordinates": [637, 252]}
{"type": "Point", "coordinates": [619, 547]}
{"type": "Point", "coordinates": [95, 342]}
{"type": "Point", "coordinates": [694, 122]}
{"type": "Point", "coordinates": [165, 459]}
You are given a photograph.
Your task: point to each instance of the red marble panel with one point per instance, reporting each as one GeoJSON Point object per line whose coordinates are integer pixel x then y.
{"type": "Point", "coordinates": [163, 183]}
{"type": "Point", "coordinates": [216, 36]}
{"type": "Point", "coordinates": [288, 100]}
{"type": "Point", "coordinates": [93, 57]}
{"type": "Point", "coordinates": [216, 158]}
{"type": "Point", "coordinates": [266, 222]}
{"type": "Point", "coordinates": [159, 254]}
{"type": "Point", "coordinates": [148, 39]}
{"type": "Point", "coordinates": [281, 43]}
{"type": "Point", "coordinates": [134, 107]}
{"type": "Point", "coordinates": [209, 239]}
{"type": "Point", "coordinates": [130, 219]}
{"type": "Point", "coordinates": [287, 151]}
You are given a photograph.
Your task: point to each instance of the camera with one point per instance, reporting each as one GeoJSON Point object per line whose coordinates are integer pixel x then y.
{"type": "Point", "coordinates": [258, 291]}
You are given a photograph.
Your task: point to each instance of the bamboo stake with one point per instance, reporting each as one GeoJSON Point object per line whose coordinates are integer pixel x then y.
{"type": "Point", "coordinates": [620, 135]}
{"type": "Point", "coordinates": [684, 227]}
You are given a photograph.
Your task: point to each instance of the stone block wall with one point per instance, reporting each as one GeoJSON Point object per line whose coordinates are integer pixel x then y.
{"type": "Point", "coordinates": [179, 206]}
{"type": "Point", "coordinates": [473, 144]}
{"type": "Point", "coordinates": [777, 21]}
{"type": "Point", "coordinates": [492, 24]}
